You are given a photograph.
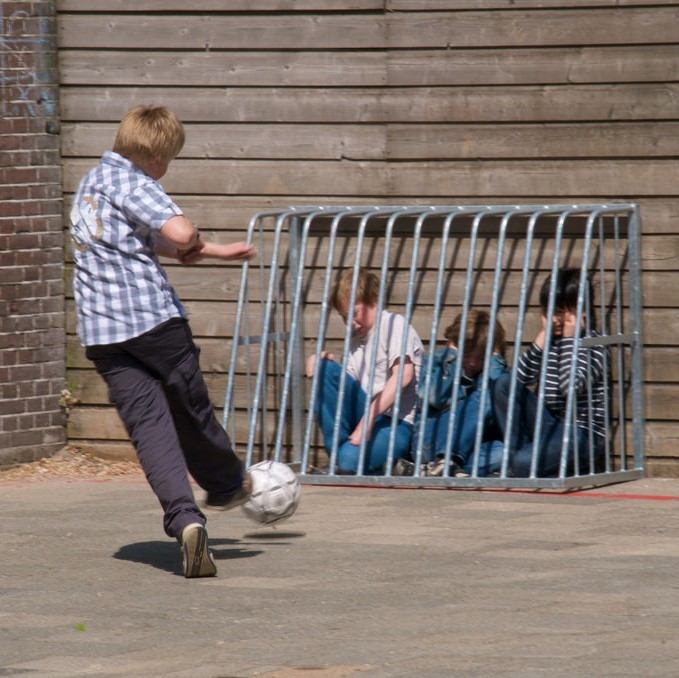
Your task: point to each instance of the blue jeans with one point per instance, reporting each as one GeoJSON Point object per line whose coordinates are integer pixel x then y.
{"type": "Point", "coordinates": [464, 436]}
{"type": "Point", "coordinates": [551, 436]}
{"type": "Point", "coordinates": [353, 408]}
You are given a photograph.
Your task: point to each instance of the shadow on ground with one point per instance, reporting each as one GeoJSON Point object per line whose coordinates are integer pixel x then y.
{"type": "Point", "coordinates": [165, 555]}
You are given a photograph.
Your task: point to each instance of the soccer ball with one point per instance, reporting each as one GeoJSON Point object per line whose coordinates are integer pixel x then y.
{"type": "Point", "coordinates": [275, 492]}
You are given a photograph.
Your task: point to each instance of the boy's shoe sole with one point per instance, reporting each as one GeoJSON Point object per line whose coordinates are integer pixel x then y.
{"type": "Point", "coordinates": [196, 557]}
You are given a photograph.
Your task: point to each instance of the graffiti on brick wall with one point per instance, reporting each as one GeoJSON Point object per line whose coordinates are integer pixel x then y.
{"type": "Point", "coordinates": [24, 66]}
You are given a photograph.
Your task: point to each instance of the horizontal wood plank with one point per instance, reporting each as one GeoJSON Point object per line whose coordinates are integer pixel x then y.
{"type": "Point", "coordinates": [228, 216]}
{"type": "Point", "coordinates": [662, 439]}
{"type": "Point", "coordinates": [511, 141]}
{"type": "Point", "coordinates": [661, 364]}
{"type": "Point", "coordinates": [275, 142]}
{"type": "Point", "coordinates": [372, 69]}
{"type": "Point", "coordinates": [518, 104]}
{"type": "Point", "coordinates": [443, 30]}
{"type": "Point", "coordinates": [658, 402]}
{"type": "Point", "coordinates": [399, 142]}
{"type": "Point", "coordinates": [224, 69]}
{"type": "Point", "coordinates": [511, 5]}
{"type": "Point", "coordinates": [532, 66]}
{"type": "Point", "coordinates": [209, 32]}
{"type": "Point", "coordinates": [199, 6]}
{"type": "Point", "coordinates": [402, 254]}
{"type": "Point", "coordinates": [538, 179]}
{"type": "Point", "coordinates": [216, 319]}
{"type": "Point", "coordinates": [102, 426]}
{"type": "Point", "coordinates": [223, 284]}
{"type": "Point", "coordinates": [528, 27]}
{"type": "Point", "coordinates": [103, 423]}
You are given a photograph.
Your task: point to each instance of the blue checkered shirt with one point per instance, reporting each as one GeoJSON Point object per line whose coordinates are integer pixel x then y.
{"type": "Point", "coordinates": [121, 290]}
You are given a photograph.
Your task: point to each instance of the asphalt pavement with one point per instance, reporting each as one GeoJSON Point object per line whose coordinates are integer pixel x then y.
{"type": "Point", "coordinates": [369, 583]}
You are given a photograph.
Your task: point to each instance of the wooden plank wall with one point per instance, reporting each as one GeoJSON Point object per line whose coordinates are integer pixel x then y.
{"type": "Point", "coordinates": [390, 101]}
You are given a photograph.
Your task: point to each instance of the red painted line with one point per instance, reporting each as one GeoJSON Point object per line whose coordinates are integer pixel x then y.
{"type": "Point", "coordinates": [543, 492]}
{"type": "Point", "coordinates": [604, 495]}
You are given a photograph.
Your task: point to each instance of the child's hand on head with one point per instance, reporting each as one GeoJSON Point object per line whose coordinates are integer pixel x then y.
{"type": "Point", "coordinates": [569, 324]}
{"type": "Point", "coordinates": [539, 340]}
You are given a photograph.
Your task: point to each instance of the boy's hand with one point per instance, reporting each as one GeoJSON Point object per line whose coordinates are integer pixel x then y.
{"type": "Point", "coordinates": [569, 323]}
{"type": "Point", "coordinates": [240, 251]}
{"type": "Point", "coordinates": [357, 434]}
{"type": "Point", "coordinates": [311, 363]}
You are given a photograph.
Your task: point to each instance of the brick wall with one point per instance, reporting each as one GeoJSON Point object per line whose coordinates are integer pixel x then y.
{"type": "Point", "coordinates": [32, 332]}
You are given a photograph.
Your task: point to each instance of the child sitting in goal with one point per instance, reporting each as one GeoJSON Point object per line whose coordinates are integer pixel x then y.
{"type": "Point", "coordinates": [586, 425]}
{"type": "Point", "coordinates": [367, 329]}
{"type": "Point", "coordinates": [466, 402]}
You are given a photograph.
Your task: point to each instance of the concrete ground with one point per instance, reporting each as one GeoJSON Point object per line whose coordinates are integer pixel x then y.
{"type": "Point", "coordinates": [360, 582]}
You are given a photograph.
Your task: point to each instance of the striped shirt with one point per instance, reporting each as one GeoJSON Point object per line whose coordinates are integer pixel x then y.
{"type": "Point", "coordinates": [589, 387]}
{"type": "Point", "coordinates": [121, 290]}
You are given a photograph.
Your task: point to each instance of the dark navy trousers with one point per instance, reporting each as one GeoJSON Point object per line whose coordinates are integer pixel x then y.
{"type": "Point", "coordinates": [155, 382]}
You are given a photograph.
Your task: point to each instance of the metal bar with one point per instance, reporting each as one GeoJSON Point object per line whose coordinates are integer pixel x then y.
{"type": "Point", "coordinates": [438, 296]}
{"type": "Point", "coordinates": [242, 302]}
{"type": "Point", "coordinates": [634, 245]}
{"type": "Point", "coordinates": [322, 325]}
{"type": "Point", "coordinates": [266, 320]}
{"type": "Point", "coordinates": [571, 399]}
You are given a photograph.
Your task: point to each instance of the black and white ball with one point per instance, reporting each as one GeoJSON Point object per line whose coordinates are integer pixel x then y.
{"type": "Point", "coordinates": [275, 494]}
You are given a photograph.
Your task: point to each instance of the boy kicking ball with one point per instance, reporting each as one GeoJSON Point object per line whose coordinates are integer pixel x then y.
{"type": "Point", "coordinates": [135, 329]}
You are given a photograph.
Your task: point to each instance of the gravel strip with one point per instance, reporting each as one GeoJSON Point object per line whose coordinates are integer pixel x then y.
{"type": "Point", "coordinates": [70, 463]}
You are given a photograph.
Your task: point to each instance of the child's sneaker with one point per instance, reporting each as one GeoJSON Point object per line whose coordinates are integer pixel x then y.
{"type": "Point", "coordinates": [196, 557]}
{"type": "Point", "coordinates": [435, 467]}
{"type": "Point", "coordinates": [403, 467]}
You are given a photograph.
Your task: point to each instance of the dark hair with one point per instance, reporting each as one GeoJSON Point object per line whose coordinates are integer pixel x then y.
{"type": "Point", "coordinates": [566, 292]}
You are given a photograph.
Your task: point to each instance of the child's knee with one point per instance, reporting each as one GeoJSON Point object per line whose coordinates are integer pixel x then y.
{"type": "Point", "coordinates": [502, 384]}
{"type": "Point", "coordinates": [347, 458]}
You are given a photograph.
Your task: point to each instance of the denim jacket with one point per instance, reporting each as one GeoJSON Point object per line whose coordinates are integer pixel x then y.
{"type": "Point", "coordinates": [440, 395]}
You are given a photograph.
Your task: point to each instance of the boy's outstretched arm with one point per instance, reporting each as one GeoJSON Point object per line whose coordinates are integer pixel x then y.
{"type": "Point", "coordinates": [179, 238]}
{"type": "Point", "coordinates": [237, 251]}
{"type": "Point", "coordinates": [179, 232]}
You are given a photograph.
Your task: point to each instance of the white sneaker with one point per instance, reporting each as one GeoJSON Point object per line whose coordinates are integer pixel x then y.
{"type": "Point", "coordinates": [196, 557]}
{"type": "Point", "coordinates": [435, 468]}
{"type": "Point", "coordinates": [403, 467]}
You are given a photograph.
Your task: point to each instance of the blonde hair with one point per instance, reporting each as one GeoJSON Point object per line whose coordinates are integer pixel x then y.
{"type": "Point", "coordinates": [149, 133]}
{"type": "Point", "coordinates": [367, 289]}
{"type": "Point", "coordinates": [476, 332]}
